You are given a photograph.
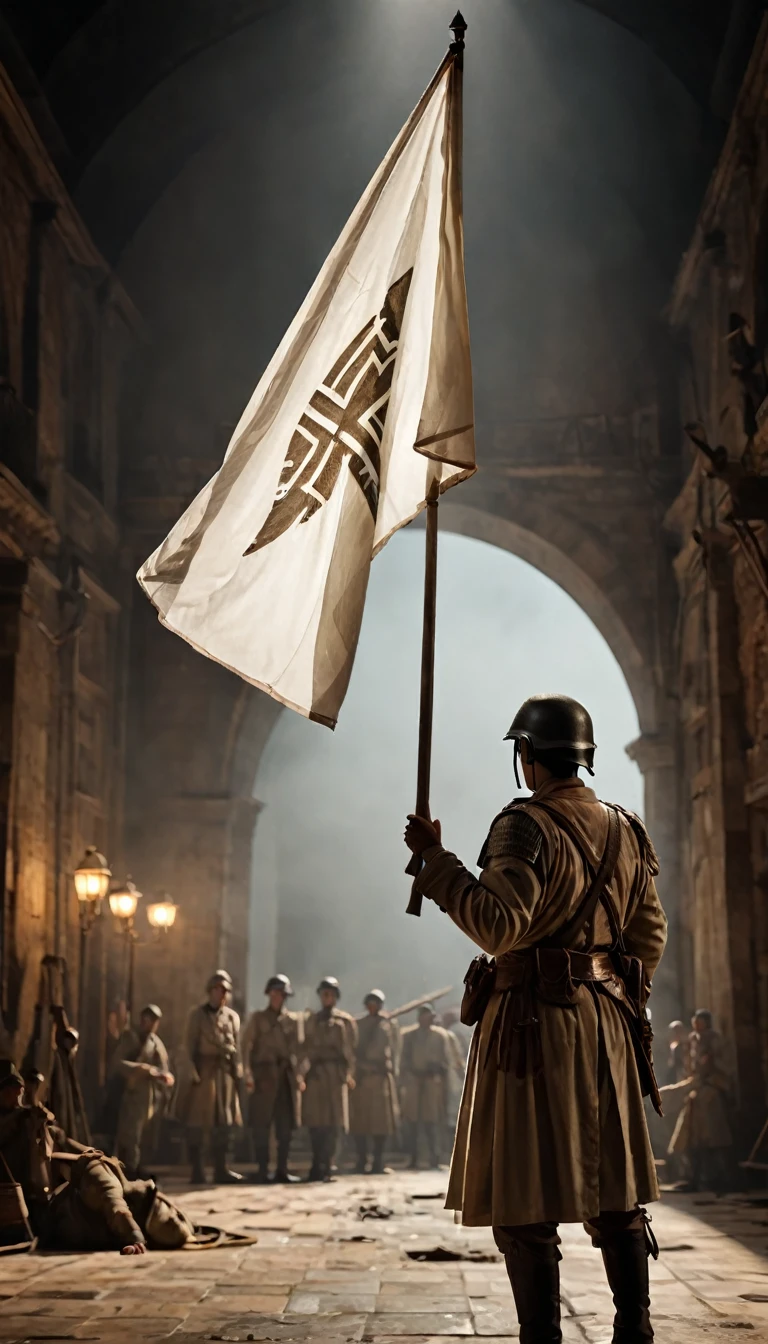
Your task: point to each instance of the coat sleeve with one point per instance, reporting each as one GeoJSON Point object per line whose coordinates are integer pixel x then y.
{"type": "Point", "coordinates": [192, 1040]}
{"type": "Point", "coordinates": [246, 1044]}
{"type": "Point", "coordinates": [352, 1037]}
{"type": "Point", "coordinates": [645, 934]}
{"type": "Point", "coordinates": [494, 910]}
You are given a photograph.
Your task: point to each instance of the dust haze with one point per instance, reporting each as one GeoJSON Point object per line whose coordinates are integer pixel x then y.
{"type": "Point", "coordinates": [329, 854]}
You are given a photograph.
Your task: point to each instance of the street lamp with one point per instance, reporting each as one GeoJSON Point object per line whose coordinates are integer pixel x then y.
{"type": "Point", "coordinates": [123, 902]}
{"type": "Point", "coordinates": [92, 876]}
{"type": "Point", "coordinates": [162, 914]}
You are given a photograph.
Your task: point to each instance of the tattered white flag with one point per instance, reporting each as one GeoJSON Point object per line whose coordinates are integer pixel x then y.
{"type": "Point", "coordinates": [366, 403]}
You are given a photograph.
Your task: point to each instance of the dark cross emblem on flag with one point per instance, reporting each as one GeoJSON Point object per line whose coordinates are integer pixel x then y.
{"type": "Point", "coordinates": [344, 422]}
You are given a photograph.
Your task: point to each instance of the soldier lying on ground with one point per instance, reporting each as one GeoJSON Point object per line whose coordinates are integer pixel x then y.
{"type": "Point", "coordinates": [78, 1199]}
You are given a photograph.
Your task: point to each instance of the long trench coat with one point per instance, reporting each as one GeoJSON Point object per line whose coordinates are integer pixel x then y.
{"type": "Point", "coordinates": [133, 1059]}
{"type": "Point", "coordinates": [571, 1140]}
{"type": "Point", "coordinates": [330, 1039]}
{"type": "Point", "coordinates": [429, 1055]}
{"type": "Point", "coordinates": [213, 1047]}
{"type": "Point", "coordinates": [270, 1048]}
{"type": "Point", "coordinates": [373, 1107]}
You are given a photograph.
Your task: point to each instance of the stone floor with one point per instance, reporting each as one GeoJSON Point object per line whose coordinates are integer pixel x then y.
{"type": "Point", "coordinates": [326, 1268]}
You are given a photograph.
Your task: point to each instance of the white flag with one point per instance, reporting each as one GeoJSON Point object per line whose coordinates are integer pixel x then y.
{"type": "Point", "coordinates": [367, 401]}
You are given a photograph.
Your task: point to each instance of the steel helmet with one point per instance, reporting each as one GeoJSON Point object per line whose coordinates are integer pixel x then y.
{"type": "Point", "coordinates": [330, 982]}
{"type": "Point", "coordinates": [375, 996]}
{"type": "Point", "coordinates": [557, 724]}
{"type": "Point", "coordinates": [279, 982]}
{"type": "Point", "coordinates": [220, 977]}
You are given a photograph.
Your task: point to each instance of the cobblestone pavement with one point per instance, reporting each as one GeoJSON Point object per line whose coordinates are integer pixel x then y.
{"type": "Point", "coordinates": [324, 1272]}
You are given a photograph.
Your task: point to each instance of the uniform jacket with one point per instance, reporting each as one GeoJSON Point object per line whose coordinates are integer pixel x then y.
{"type": "Point", "coordinates": [428, 1056]}
{"type": "Point", "coordinates": [373, 1105]}
{"type": "Point", "coordinates": [213, 1047]}
{"type": "Point", "coordinates": [570, 1140]}
{"type": "Point", "coordinates": [330, 1039]}
{"type": "Point", "coordinates": [270, 1049]}
{"type": "Point", "coordinates": [132, 1061]}
{"type": "Point", "coordinates": [704, 1120]}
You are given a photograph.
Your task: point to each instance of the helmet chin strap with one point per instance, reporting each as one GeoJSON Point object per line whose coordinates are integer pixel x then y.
{"type": "Point", "coordinates": [516, 758]}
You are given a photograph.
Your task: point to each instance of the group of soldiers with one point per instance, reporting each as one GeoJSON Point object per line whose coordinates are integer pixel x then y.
{"type": "Point", "coordinates": [326, 1070]}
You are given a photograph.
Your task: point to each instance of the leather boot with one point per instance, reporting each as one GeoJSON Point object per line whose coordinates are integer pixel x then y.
{"type": "Point", "coordinates": [362, 1155]}
{"type": "Point", "coordinates": [625, 1256]}
{"type": "Point", "coordinates": [197, 1174]}
{"type": "Point", "coordinates": [222, 1175]}
{"type": "Point", "coordinates": [378, 1168]}
{"type": "Point", "coordinates": [534, 1274]}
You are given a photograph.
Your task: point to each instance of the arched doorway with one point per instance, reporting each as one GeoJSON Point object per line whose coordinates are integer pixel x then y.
{"type": "Point", "coordinates": [328, 885]}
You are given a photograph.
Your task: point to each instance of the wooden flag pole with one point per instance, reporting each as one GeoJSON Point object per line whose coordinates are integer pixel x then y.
{"type": "Point", "coordinates": [458, 28]}
{"type": "Point", "coordinates": [427, 679]}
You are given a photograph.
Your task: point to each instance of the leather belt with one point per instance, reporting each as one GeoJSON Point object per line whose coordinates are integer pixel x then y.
{"type": "Point", "coordinates": [513, 968]}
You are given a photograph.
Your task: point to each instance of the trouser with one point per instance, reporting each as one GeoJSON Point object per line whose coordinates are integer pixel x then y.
{"type": "Point", "coordinates": [709, 1168]}
{"type": "Point", "coordinates": [533, 1258]}
{"type": "Point", "coordinates": [364, 1144]}
{"type": "Point", "coordinates": [432, 1136]}
{"type": "Point", "coordinates": [323, 1139]}
{"type": "Point", "coordinates": [281, 1120]}
{"type": "Point", "coordinates": [130, 1131]}
{"type": "Point", "coordinates": [219, 1142]}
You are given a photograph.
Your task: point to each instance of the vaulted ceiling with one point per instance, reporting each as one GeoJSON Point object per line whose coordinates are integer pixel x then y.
{"type": "Point", "coordinates": [96, 59]}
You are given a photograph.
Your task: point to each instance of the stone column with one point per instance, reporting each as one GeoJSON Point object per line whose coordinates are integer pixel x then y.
{"type": "Point", "coordinates": [656, 757]}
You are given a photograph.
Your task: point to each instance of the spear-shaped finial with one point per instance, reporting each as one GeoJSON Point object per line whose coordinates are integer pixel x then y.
{"type": "Point", "coordinates": [458, 28]}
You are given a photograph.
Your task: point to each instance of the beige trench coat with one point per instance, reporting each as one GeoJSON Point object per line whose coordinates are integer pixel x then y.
{"type": "Point", "coordinates": [573, 1140]}
{"type": "Point", "coordinates": [330, 1039]}
{"type": "Point", "coordinates": [429, 1054]}
{"type": "Point", "coordinates": [373, 1107]}
{"type": "Point", "coordinates": [133, 1059]}
{"type": "Point", "coordinates": [213, 1046]}
{"type": "Point", "coordinates": [270, 1049]}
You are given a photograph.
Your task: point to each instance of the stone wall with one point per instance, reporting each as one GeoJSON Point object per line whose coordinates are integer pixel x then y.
{"type": "Point", "coordinates": [65, 331]}
{"type": "Point", "coordinates": [717, 316]}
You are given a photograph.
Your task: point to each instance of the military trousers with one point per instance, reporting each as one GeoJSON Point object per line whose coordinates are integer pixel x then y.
{"type": "Point", "coordinates": [281, 1120]}
{"type": "Point", "coordinates": [431, 1132]}
{"type": "Point", "coordinates": [324, 1139]}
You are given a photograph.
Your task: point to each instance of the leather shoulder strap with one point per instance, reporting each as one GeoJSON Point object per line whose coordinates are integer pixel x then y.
{"type": "Point", "coordinates": [601, 879]}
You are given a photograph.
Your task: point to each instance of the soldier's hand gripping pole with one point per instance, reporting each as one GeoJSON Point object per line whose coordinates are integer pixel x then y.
{"type": "Point", "coordinates": [427, 679]}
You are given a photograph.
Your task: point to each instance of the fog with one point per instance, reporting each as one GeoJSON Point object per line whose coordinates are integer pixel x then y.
{"type": "Point", "coordinates": [329, 891]}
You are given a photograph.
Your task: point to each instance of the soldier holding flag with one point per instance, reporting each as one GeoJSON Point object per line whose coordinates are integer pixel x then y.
{"type": "Point", "coordinates": [552, 1126]}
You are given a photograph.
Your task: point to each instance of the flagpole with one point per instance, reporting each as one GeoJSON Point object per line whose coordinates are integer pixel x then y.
{"type": "Point", "coordinates": [424, 768]}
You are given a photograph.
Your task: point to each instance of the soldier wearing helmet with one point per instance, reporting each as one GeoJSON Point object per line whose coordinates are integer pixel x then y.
{"type": "Point", "coordinates": [140, 1063]}
{"type": "Point", "coordinates": [552, 1124]}
{"type": "Point", "coordinates": [373, 1106]}
{"type": "Point", "coordinates": [213, 1105]}
{"type": "Point", "coordinates": [330, 1043]}
{"type": "Point", "coordinates": [270, 1055]}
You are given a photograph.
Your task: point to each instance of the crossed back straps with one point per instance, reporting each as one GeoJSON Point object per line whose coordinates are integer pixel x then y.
{"type": "Point", "coordinates": [598, 887]}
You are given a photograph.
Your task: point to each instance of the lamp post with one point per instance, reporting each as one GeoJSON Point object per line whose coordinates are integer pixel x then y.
{"type": "Point", "coordinates": [92, 876]}
{"type": "Point", "coordinates": [162, 914]}
{"type": "Point", "coordinates": [123, 902]}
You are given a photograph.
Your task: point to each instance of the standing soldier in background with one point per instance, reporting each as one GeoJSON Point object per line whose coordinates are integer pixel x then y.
{"type": "Point", "coordinates": [140, 1061]}
{"type": "Point", "coordinates": [552, 1125]}
{"type": "Point", "coordinates": [374, 1113]}
{"type": "Point", "coordinates": [213, 1105]}
{"type": "Point", "coordinates": [703, 1131]}
{"type": "Point", "coordinates": [270, 1055]}
{"type": "Point", "coordinates": [330, 1042]}
{"type": "Point", "coordinates": [429, 1053]}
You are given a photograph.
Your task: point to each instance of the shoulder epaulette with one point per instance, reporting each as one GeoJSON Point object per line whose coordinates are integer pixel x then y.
{"type": "Point", "coordinates": [514, 833]}
{"type": "Point", "coordinates": [644, 843]}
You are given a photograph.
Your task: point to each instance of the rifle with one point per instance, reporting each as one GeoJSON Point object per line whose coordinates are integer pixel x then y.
{"type": "Point", "coordinates": [418, 1003]}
